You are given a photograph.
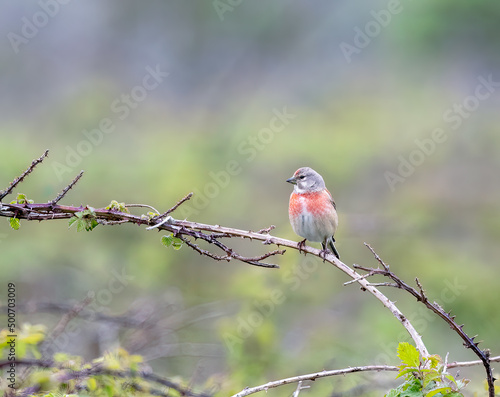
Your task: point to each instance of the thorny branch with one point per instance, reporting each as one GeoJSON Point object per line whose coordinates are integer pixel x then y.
{"type": "Point", "coordinates": [322, 374]}
{"type": "Point", "coordinates": [188, 231]}
{"type": "Point", "coordinates": [469, 343]}
{"type": "Point", "coordinates": [66, 189]}
{"type": "Point", "coordinates": [212, 234]}
{"type": "Point", "coordinates": [20, 178]}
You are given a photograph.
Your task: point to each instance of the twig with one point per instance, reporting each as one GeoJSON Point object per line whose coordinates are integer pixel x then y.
{"type": "Point", "coordinates": [20, 178]}
{"type": "Point", "coordinates": [299, 388]}
{"type": "Point", "coordinates": [182, 200]}
{"type": "Point", "coordinates": [70, 315]}
{"type": "Point", "coordinates": [313, 376]}
{"type": "Point", "coordinates": [142, 205]}
{"type": "Point", "coordinates": [316, 375]}
{"type": "Point", "coordinates": [66, 189]}
{"type": "Point", "coordinates": [266, 230]}
{"type": "Point", "coordinates": [437, 309]}
{"type": "Point", "coordinates": [471, 363]}
{"type": "Point", "coordinates": [255, 261]}
{"type": "Point", "coordinates": [48, 307]}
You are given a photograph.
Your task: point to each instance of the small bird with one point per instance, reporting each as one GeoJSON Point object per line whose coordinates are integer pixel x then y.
{"type": "Point", "coordinates": [312, 211]}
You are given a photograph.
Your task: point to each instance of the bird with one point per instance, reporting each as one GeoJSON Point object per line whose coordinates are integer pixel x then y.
{"type": "Point", "coordinates": [312, 210]}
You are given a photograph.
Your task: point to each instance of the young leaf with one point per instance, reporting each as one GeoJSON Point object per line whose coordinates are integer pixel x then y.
{"type": "Point", "coordinates": [393, 393]}
{"type": "Point", "coordinates": [442, 390]}
{"type": "Point", "coordinates": [167, 240]}
{"type": "Point", "coordinates": [15, 223]}
{"type": "Point", "coordinates": [171, 241]}
{"type": "Point", "coordinates": [408, 355]}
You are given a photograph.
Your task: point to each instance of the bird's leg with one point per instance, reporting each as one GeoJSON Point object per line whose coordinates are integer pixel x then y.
{"type": "Point", "coordinates": [324, 251]}
{"type": "Point", "coordinates": [301, 244]}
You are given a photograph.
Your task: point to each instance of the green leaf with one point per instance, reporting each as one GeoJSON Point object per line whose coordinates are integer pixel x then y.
{"type": "Point", "coordinates": [406, 371]}
{"type": "Point", "coordinates": [171, 241]}
{"type": "Point", "coordinates": [15, 223]}
{"type": "Point", "coordinates": [84, 220]}
{"type": "Point", "coordinates": [115, 205]}
{"type": "Point", "coordinates": [442, 390]}
{"type": "Point", "coordinates": [393, 393]}
{"type": "Point", "coordinates": [408, 355]}
{"type": "Point", "coordinates": [435, 360]}
{"type": "Point", "coordinates": [72, 220]}
{"type": "Point", "coordinates": [177, 243]}
{"type": "Point", "coordinates": [167, 240]}
{"type": "Point", "coordinates": [431, 376]}
{"type": "Point", "coordinates": [21, 199]}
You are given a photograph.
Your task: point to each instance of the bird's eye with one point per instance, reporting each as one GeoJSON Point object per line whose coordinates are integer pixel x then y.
{"type": "Point", "coordinates": [301, 177]}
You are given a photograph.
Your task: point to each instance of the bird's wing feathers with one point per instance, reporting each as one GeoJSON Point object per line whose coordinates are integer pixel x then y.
{"type": "Point", "coordinates": [331, 199]}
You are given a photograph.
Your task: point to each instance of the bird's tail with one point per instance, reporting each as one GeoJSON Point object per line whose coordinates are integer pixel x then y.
{"type": "Point", "coordinates": [332, 247]}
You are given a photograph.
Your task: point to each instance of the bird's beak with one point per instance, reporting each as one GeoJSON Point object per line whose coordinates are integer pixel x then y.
{"type": "Point", "coordinates": [292, 180]}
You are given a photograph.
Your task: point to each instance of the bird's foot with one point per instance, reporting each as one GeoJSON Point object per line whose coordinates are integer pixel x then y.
{"type": "Point", "coordinates": [300, 245]}
{"type": "Point", "coordinates": [324, 252]}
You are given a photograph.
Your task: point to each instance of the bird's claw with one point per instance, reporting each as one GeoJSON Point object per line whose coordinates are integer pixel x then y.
{"type": "Point", "coordinates": [323, 253]}
{"type": "Point", "coordinates": [300, 245]}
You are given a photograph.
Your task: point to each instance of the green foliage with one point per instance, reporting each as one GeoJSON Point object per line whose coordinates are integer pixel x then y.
{"type": "Point", "coordinates": [115, 205]}
{"type": "Point", "coordinates": [424, 376]}
{"type": "Point", "coordinates": [15, 223]}
{"type": "Point", "coordinates": [22, 199]}
{"type": "Point", "coordinates": [171, 241]}
{"type": "Point", "coordinates": [107, 376]}
{"type": "Point", "coordinates": [24, 343]}
{"type": "Point", "coordinates": [84, 220]}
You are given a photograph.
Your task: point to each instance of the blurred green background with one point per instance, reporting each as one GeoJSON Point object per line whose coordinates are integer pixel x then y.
{"type": "Point", "coordinates": [395, 104]}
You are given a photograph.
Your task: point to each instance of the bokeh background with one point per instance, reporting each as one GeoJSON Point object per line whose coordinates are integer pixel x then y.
{"type": "Point", "coordinates": [394, 103]}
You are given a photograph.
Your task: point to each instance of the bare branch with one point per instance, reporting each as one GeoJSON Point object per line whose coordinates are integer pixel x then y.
{"type": "Point", "coordinates": [437, 309]}
{"type": "Point", "coordinates": [20, 178]}
{"type": "Point", "coordinates": [212, 235]}
{"type": "Point", "coordinates": [51, 307]}
{"type": "Point", "coordinates": [299, 388]}
{"type": "Point", "coordinates": [316, 375]}
{"type": "Point", "coordinates": [266, 230]}
{"type": "Point", "coordinates": [143, 206]}
{"type": "Point", "coordinates": [181, 201]}
{"type": "Point", "coordinates": [66, 189]}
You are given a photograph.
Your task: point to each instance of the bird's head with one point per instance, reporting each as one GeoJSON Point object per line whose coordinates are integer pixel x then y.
{"type": "Point", "coordinates": [305, 179]}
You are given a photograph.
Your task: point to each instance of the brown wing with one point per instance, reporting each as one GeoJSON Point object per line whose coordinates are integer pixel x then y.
{"type": "Point", "coordinates": [331, 199]}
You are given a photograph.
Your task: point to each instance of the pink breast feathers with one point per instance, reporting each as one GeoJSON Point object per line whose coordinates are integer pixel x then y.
{"type": "Point", "coordinates": [314, 203]}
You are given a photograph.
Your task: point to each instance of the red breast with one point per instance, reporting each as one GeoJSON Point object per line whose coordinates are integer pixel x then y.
{"type": "Point", "coordinates": [315, 203]}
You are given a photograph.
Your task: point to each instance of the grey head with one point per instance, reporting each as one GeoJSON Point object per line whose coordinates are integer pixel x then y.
{"type": "Point", "coordinates": [306, 179]}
